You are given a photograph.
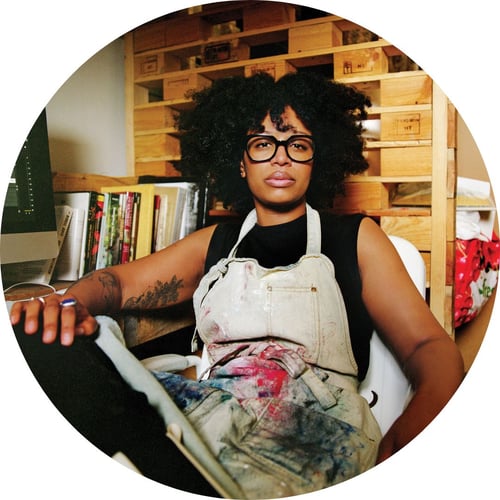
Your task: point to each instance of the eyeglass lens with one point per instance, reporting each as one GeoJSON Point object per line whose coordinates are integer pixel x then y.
{"type": "Point", "coordinates": [299, 148]}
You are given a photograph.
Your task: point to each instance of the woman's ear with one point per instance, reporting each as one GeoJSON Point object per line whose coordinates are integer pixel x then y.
{"type": "Point", "coordinates": [243, 171]}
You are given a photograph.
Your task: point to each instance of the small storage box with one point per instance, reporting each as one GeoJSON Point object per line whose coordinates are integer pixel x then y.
{"type": "Point", "coordinates": [150, 36]}
{"type": "Point", "coordinates": [149, 65]}
{"type": "Point", "coordinates": [186, 29]}
{"type": "Point", "coordinates": [234, 50]}
{"type": "Point", "coordinates": [406, 91]}
{"type": "Point", "coordinates": [176, 87]}
{"type": "Point", "coordinates": [361, 196]}
{"type": "Point", "coordinates": [406, 161]}
{"type": "Point", "coordinates": [276, 69]}
{"type": "Point", "coordinates": [265, 14]}
{"type": "Point", "coordinates": [154, 146]}
{"type": "Point", "coordinates": [360, 62]}
{"type": "Point", "coordinates": [313, 36]}
{"type": "Point", "coordinates": [154, 118]}
{"type": "Point", "coordinates": [410, 126]}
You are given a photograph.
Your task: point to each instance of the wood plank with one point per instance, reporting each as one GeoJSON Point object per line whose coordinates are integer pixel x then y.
{"type": "Point", "coordinates": [62, 181]}
{"type": "Point", "coordinates": [438, 299]}
{"type": "Point", "coordinates": [398, 211]}
{"type": "Point", "coordinates": [416, 229]}
{"type": "Point", "coordinates": [406, 161]}
{"type": "Point", "coordinates": [406, 91]}
{"type": "Point", "coordinates": [143, 326]}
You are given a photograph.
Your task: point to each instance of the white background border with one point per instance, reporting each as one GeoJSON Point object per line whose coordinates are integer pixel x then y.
{"type": "Point", "coordinates": [43, 43]}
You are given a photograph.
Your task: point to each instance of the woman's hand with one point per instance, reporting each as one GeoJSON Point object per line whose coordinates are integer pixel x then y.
{"type": "Point", "coordinates": [56, 315]}
{"type": "Point", "coordinates": [400, 434]}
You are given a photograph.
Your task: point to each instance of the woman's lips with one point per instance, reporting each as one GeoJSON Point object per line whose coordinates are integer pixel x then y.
{"type": "Point", "coordinates": [279, 179]}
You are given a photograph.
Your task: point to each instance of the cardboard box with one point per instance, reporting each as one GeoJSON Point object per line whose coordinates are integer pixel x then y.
{"type": "Point", "coordinates": [411, 126]}
{"type": "Point", "coordinates": [176, 87]}
{"type": "Point", "coordinates": [186, 29]}
{"type": "Point", "coordinates": [360, 62]}
{"type": "Point", "coordinates": [265, 14]}
{"type": "Point", "coordinates": [406, 91]}
{"type": "Point", "coordinates": [149, 65]}
{"type": "Point", "coordinates": [150, 36]}
{"type": "Point", "coordinates": [406, 161]}
{"type": "Point", "coordinates": [233, 50]}
{"type": "Point", "coordinates": [156, 117]}
{"type": "Point", "coordinates": [313, 36]}
{"type": "Point", "coordinates": [361, 196]}
{"type": "Point", "coordinates": [276, 69]}
{"type": "Point", "coordinates": [155, 146]}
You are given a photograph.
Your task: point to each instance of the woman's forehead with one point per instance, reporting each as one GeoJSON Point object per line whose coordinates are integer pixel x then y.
{"type": "Point", "coordinates": [287, 121]}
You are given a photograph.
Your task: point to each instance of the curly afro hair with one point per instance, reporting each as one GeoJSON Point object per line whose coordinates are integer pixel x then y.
{"type": "Point", "coordinates": [214, 131]}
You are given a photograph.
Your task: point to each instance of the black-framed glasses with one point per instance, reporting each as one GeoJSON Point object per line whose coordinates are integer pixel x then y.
{"type": "Point", "coordinates": [299, 148]}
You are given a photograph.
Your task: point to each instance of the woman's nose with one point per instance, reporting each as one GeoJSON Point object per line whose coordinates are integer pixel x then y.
{"type": "Point", "coordinates": [281, 156]}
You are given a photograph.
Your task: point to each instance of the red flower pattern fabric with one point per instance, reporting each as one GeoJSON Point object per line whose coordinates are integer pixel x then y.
{"type": "Point", "coordinates": [476, 276]}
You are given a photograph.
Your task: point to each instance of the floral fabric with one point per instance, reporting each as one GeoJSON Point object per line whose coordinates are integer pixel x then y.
{"type": "Point", "coordinates": [476, 276]}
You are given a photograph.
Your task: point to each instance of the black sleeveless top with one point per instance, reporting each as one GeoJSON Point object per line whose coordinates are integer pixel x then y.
{"type": "Point", "coordinates": [284, 244]}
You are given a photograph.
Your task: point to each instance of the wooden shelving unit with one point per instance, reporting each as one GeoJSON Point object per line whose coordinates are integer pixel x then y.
{"type": "Point", "coordinates": [410, 128]}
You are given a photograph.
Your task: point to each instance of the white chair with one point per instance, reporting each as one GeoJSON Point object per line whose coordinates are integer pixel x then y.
{"type": "Point", "coordinates": [385, 384]}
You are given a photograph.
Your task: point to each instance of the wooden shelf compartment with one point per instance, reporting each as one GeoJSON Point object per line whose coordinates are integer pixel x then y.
{"type": "Point", "coordinates": [290, 57]}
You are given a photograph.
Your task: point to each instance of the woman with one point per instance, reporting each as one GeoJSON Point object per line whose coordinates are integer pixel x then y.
{"type": "Point", "coordinates": [285, 304]}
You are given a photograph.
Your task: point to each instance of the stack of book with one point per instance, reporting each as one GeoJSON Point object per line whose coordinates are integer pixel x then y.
{"type": "Point", "coordinates": [124, 223]}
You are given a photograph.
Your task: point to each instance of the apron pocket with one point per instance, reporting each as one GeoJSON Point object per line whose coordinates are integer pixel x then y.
{"type": "Point", "coordinates": [293, 312]}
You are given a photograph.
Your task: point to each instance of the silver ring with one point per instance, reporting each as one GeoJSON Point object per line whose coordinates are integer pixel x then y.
{"type": "Point", "coordinates": [40, 299]}
{"type": "Point", "coordinates": [68, 303]}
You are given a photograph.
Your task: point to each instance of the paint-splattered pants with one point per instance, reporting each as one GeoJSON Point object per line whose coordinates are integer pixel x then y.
{"type": "Point", "coordinates": [270, 431]}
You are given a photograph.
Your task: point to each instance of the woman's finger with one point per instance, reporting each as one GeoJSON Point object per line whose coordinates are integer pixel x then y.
{"type": "Point", "coordinates": [74, 320]}
{"type": "Point", "coordinates": [51, 319]}
{"type": "Point", "coordinates": [31, 310]}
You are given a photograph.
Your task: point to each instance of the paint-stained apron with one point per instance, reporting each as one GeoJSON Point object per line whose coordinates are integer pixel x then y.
{"type": "Point", "coordinates": [280, 408]}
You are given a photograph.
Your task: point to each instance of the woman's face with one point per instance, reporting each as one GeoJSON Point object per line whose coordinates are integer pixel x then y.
{"type": "Point", "coordinates": [280, 183]}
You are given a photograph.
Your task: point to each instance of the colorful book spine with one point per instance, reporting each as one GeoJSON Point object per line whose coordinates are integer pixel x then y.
{"type": "Point", "coordinates": [128, 214]}
{"type": "Point", "coordinates": [95, 232]}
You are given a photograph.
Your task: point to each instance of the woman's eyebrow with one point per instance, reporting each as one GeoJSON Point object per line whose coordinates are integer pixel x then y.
{"type": "Point", "coordinates": [291, 129]}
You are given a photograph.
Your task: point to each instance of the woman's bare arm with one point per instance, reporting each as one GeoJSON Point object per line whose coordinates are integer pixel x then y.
{"type": "Point", "coordinates": [159, 280]}
{"type": "Point", "coordinates": [427, 354]}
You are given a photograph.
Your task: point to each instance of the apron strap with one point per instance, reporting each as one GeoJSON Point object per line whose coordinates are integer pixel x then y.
{"type": "Point", "coordinates": [297, 368]}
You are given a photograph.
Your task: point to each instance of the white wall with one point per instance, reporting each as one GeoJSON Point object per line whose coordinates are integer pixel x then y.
{"type": "Point", "coordinates": [86, 117]}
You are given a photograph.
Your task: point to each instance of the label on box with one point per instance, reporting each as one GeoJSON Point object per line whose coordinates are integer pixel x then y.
{"type": "Point", "coordinates": [408, 124]}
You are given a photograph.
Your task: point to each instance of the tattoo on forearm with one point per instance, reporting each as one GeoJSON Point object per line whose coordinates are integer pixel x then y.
{"type": "Point", "coordinates": [110, 286]}
{"type": "Point", "coordinates": [159, 295]}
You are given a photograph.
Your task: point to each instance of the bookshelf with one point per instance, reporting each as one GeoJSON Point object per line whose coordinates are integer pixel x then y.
{"type": "Point", "coordinates": [410, 128]}
{"type": "Point", "coordinates": [186, 205]}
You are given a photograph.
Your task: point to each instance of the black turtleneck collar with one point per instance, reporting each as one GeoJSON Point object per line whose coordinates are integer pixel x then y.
{"type": "Point", "coordinates": [278, 245]}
